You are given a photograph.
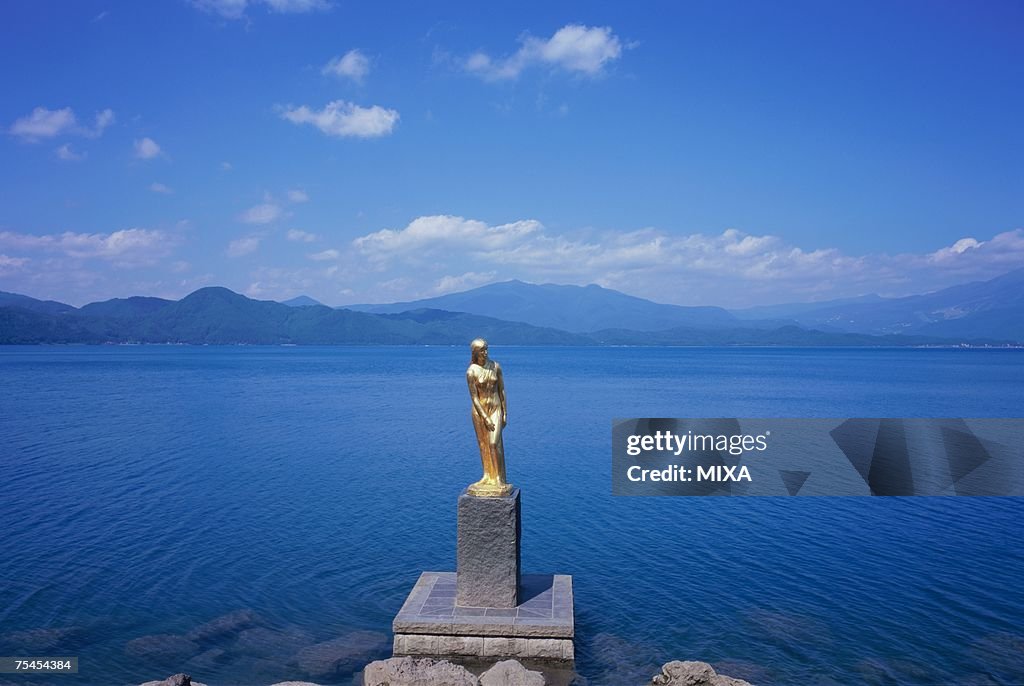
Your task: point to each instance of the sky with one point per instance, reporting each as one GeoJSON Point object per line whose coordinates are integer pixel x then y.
{"type": "Point", "coordinates": [698, 153]}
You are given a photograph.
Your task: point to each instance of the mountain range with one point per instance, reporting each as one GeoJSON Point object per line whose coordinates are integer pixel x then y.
{"type": "Point", "coordinates": [518, 313]}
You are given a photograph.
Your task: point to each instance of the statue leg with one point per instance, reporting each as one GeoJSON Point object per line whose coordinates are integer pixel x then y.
{"type": "Point", "coordinates": [498, 449]}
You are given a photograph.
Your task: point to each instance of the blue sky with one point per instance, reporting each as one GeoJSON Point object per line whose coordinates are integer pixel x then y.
{"type": "Point", "coordinates": [723, 153]}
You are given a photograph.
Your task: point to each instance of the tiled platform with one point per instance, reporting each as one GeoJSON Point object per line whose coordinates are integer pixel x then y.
{"type": "Point", "coordinates": [430, 623]}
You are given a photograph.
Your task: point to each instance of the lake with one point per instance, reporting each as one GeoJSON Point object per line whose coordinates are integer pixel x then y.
{"type": "Point", "coordinates": [148, 490]}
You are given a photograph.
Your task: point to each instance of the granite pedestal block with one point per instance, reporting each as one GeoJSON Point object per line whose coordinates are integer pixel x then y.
{"type": "Point", "coordinates": [487, 558]}
{"type": "Point", "coordinates": [431, 623]}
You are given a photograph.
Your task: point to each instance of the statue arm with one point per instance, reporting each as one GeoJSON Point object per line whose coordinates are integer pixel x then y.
{"type": "Point", "coordinates": [478, 409]}
{"type": "Point", "coordinates": [501, 394]}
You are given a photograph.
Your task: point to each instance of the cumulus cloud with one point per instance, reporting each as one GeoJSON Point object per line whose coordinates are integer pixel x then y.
{"type": "Point", "coordinates": [146, 148]}
{"type": "Point", "coordinates": [8, 263]}
{"type": "Point", "coordinates": [243, 246]}
{"type": "Point", "coordinates": [452, 284]}
{"type": "Point", "coordinates": [264, 213]}
{"type": "Point", "coordinates": [731, 268]}
{"type": "Point", "coordinates": [128, 247]}
{"type": "Point", "coordinates": [300, 236]}
{"type": "Point", "coordinates": [430, 234]}
{"type": "Point", "coordinates": [298, 196]}
{"type": "Point", "coordinates": [345, 119]}
{"type": "Point", "coordinates": [235, 9]}
{"type": "Point", "coordinates": [352, 65]}
{"type": "Point", "coordinates": [157, 187]}
{"type": "Point", "coordinates": [45, 123]}
{"type": "Point", "coordinates": [573, 48]}
{"type": "Point", "coordinates": [325, 255]}
{"type": "Point", "coordinates": [65, 153]}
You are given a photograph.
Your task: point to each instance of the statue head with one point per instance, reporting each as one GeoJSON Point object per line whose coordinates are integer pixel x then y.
{"type": "Point", "coordinates": [478, 351]}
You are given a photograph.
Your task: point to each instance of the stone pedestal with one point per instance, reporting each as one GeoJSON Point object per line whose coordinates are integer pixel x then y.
{"type": "Point", "coordinates": [487, 609]}
{"type": "Point", "coordinates": [541, 626]}
{"type": "Point", "coordinates": [487, 557]}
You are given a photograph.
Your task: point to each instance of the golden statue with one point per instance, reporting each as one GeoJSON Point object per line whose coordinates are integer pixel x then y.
{"type": "Point", "coordinates": [490, 415]}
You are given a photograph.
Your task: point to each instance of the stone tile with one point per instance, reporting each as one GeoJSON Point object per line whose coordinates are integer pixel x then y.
{"type": "Point", "coordinates": [504, 646]}
{"type": "Point", "coordinates": [470, 611]}
{"type": "Point", "coordinates": [460, 645]}
{"type": "Point", "coordinates": [525, 612]}
{"type": "Point", "coordinates": [542, 628]}
{"type": "Point", "coordinates": [550, 648]}
{"type": "Point", "coordinates": [441, 626]}
{"type": "Point", "coordinates": [413, 644]}
{"type": "Point", "coordinates": [444, 611]}
{"type": "Point", "coordinates": [501, 612]}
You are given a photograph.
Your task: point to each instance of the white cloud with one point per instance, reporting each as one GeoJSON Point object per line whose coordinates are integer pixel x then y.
{"type": "Point", "coordinates": [229, 9]}
{"type": "Point", "coordinates": [297, 6]}
{"type": "Point", "coordinates": [298, 196]}
{"type": "Point", "coordinates": [301, 236]}
{"type": "Point", "coordinates": [8, 263]}
{"type": "Point", "coordinates": [352, 65]}
{"type": "Point", "coordinates": [235, 9]}
{"type": "Point", "coordinates": [104, 119]}
{"type": "Point", "coordinates": [427, 234]}
{"type": "Point", "coordinates": [127, 247]}
{"type": "Point", "coordinates": [261, 214]}
{"type": "Point", "coordinates": [324, 255]}
{"type": "Point", "coordinates": [46, 123]}
{"type": "Point", "coordinates": [453, 284]}
{"type": "Point", "coordinates": [340, 118]}
{"type": "Point", "coordinates": [574, 48]}
{"type": "Point", "coordinates": [180, 266]}
{"type": "Point", "coordinates": [732, 268]}
{"type": "Point", "coordinates": [226, 166]}
{"type": "Point", "coordinates": [243, 246]}
{"type": "Point", "coordinates": [146, 148]}
{"type": "Point", "coordinates": [157, 187]}
{"type": "Point", "coordinates": [65, 153]}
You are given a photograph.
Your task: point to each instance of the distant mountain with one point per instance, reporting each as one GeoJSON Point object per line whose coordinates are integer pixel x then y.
{"type": "Point", "coordinates": [578, 309]}
{"type": "Point", "coordinates": [301, 301]}
{"type": "Point", "coordinates": [791, 310]}
{"type": "Point", "coordinates": [217, 315]}
{"type": "Point", "coordinates": [136, 306]}
{"type": "Point", "coordinates": [985, 309]}
{"type": "Point", "coordinates": [27, 303]}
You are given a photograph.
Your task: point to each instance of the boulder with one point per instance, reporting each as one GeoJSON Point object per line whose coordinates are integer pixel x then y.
{"type": "Point", "coordinates": [176, 680]}
{"type": "Point", "coordinates": [342, 655]}
{"type": "Point", "coordinates": [691, 673]}
{"type": "Point", "coordinates": [410, 671]}
{"type": "Point", "coordinates": [511, 673]}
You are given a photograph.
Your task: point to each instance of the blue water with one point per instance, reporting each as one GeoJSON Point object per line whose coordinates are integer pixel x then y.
{"type": "Point", "coordinates": [147, 490]}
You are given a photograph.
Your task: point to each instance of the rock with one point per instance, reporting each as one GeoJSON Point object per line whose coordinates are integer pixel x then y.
{"type": "Point", "coordinates": [341, 655]}
{"type": "Point", "coordinates": [511, 673]}
{"type": "Point", "coordinates": [690, 673]}
{"type": "Point", "coordinates": [176, 680]}
{"type": "Point", "coordinates": [231, 623]}
{"type": "Point", "coordinates": [162, 647]}
{"type": "Point", "coordinates": [411, 671]}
